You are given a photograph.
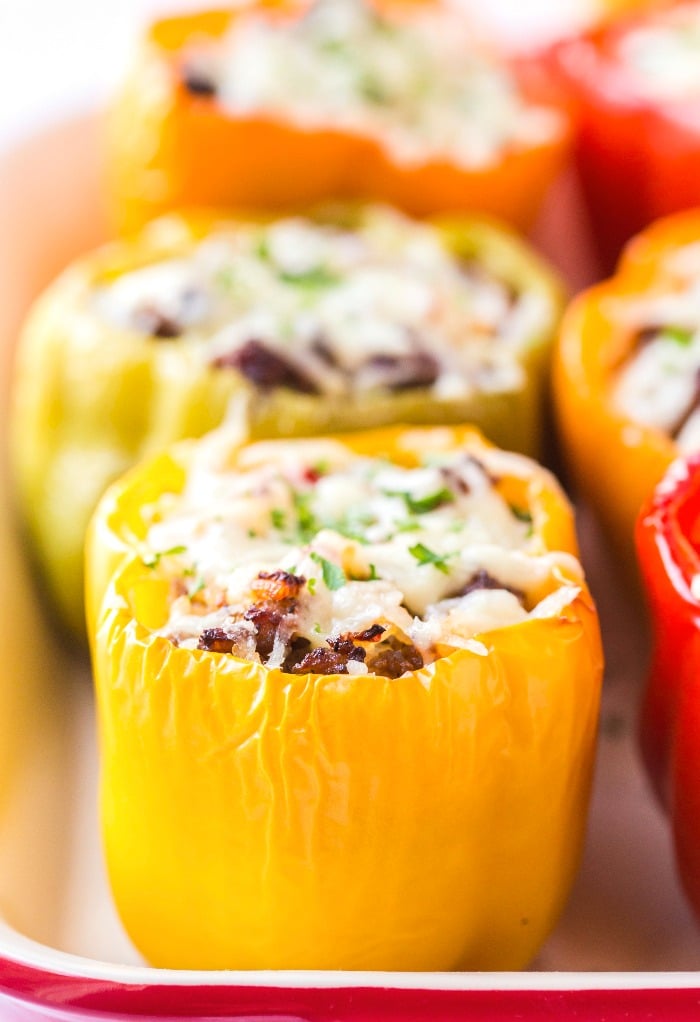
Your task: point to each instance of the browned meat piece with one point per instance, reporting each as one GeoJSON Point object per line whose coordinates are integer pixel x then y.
{"type": "Point", "coordinates": [154, 322]}
{"type": "Point", "coordinates": [276, 593]}
{"type": "Point", "coordinates": [396, 659]}
{"type": "Point", "coordinates": [198, 83]}
{"type": "Point", "coordinates": [322, 660]}
{"type": "Point", "coordinates": [298, 648]}
{"type": "Point", "coordinates": [277, 585]}
{"type": "Point", "coordinates": [417, 369]}
{"type": "Point", "coordinates": [265, 368]}
{"type": "Point", "coordinates": [482, 580]}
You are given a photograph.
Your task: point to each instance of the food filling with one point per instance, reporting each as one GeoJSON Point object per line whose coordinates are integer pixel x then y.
{"type": "Point", "coordinates": [310, 558]}
{"type": "Point", "coordinates": [663, 54]}
{"type": "Point", "coordinates": [324, 308]}
{"type": "Point", "coordinates": [416, 84]}
{"type": "Point", "coordinates": [659, 383]}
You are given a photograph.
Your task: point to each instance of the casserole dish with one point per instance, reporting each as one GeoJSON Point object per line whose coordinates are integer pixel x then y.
{"type": "Point", "coordinates": [625, 946]}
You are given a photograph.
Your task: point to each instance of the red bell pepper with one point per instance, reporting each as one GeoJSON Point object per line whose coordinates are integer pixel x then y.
{"type": "Point", "coordinates": [668, 544]}
{"type": "Point", "coordinates": [637, 151]}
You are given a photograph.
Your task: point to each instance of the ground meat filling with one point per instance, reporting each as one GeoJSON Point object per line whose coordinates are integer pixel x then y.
{"type": "Point", "coordinates": [326, 562]}
{"type": "Point", "coordinates": [378, 303]}
{"type": "Point", "coordinates": [658, 384]}
{"type": "Point", "coordinates": [418, 82]}
{"type": "Point", "coordinates": [265, 368]}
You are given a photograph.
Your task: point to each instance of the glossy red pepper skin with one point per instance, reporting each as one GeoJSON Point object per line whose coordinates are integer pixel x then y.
{"type": "Point", "coordinates": [668, 545]}
{"type": "Point", "coordinates": [638, 158]}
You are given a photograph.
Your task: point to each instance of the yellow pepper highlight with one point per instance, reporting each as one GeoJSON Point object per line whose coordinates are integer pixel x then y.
{"type": "Point", "coordinates": [254, 819]}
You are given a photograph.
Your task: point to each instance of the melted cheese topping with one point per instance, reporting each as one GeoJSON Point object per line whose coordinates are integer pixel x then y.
{"type": "Point", "coordinates": [417, 86]}
{"type": "Point", "coordinates": [663, 55]}
{"type": "Point", "coordinates": [432, 554]}
{"type": "Point", "coordinates": [347, 310]}
{"type": "Point", "coordinates": [659, 384]}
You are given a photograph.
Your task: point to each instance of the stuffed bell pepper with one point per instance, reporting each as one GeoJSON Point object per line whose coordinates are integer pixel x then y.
{"type": "Point", "coordinates": [348, 691]}
{"type": "Point", "coordinates": [668, 544]}
{"type": "Point", "coordinates": [636, 91]}
{"type": "Point", "coordinates": [627, 374]}
{"type": "Point", "coordinates": [261, 107]}
{"type": "Point", "coordinates": [334, 320]}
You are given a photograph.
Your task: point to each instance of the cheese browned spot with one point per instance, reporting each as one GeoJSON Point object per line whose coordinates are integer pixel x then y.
{"type": "Point", "coordinates": [312, 559]}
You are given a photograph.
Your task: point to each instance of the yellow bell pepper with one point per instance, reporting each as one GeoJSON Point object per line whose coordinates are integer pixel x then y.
{"type": "Point", "coordinates": [255, 819]}
{"type": "Point", "coordinates": [91, 399]}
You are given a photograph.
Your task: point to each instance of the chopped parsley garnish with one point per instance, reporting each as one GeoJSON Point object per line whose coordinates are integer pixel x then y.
{"type": "Point", "coordinates": [225, 277]}
{"type": "Point", "coordinates": [523, 515]}
{"type": "Point", "coordinates": [153, 560]}
{"type": "Point", "coordinates": [419, 505]}
{"type": "Point", "coordinates": [262, 248]}
{"type": "Point", "coordinates": [424, 555]}
{"type": "Point", "coordinates": [311, 586]}
{"type": "Point", "coordinates": [371, 89]}
{"type": "Point", "coordinates": [333, 575]}
{"type": "Point", "coordinates": [278, 518]}
{"type": "Point", "coordinates": [318, 276]}
{"type": "Point", "coordinates": [373, 576]}
{"type": "Point", "coordinates": [678, 334]}
{"type": "Point", "coordinates": [408, 526]}
{"type": "Point", "coordinates": [306, 519]}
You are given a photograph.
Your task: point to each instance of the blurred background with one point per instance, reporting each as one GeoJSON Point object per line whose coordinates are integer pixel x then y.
{"type": "Point", "coordinates": [58, 58]}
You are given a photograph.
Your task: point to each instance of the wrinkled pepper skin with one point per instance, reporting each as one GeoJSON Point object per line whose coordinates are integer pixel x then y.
{"type": "Point", "coordinates": [170, 149]}
{"type": "Point", "coordinates": [668, 544]}
{"type": "Point", "coordinates": [614, 462]}
{"type": "Point", "coordinates": [90, 400]}
{"type": "Point", "coordinates": [254, 819]}
{"type": "Point", "coordinates": [638, 158]}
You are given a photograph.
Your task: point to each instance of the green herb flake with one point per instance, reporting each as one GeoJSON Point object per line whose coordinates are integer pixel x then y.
{"type": "Point", "coordinates": [424, 555]}
{"type": "Point", "coordinates": [333, 575]}
{"type": "Point", "coordinates": [307, 524]}
{"type": "Point", "coordinates": [523, 515]}
{"type": "Point", "coordinates": [153, 560]}
{"type": "Point", "coordinates": [373, 576]}
{"type": "Point", "coordinates": [197, 587]}
{"type": "Point", "coordinates": [407, 526]}
{"type": "Point", "coordinates": [225, 278]}
{"type": "Point", "coordinates": [679, 335]}
{"type": "Point", "coordinates": [420, 505]}
{"type": "Point", "coordinates": [278, 518]}
{"type": "Point", "coordinates": [261, 248]}
{"type": "Point", "coordinates": [371, 89]}
{"type": "Point", "coordinates": [311, 586]}
{"type": "Point", "coordinates": [316, 277]}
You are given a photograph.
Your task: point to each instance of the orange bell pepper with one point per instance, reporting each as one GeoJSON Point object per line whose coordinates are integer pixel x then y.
{"type": "Point", "coordinates": [615, 461]}
{"type": "Point", "coordinates": [258, 819]}
{"type": "Point", "coordinates": [171, 148]}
